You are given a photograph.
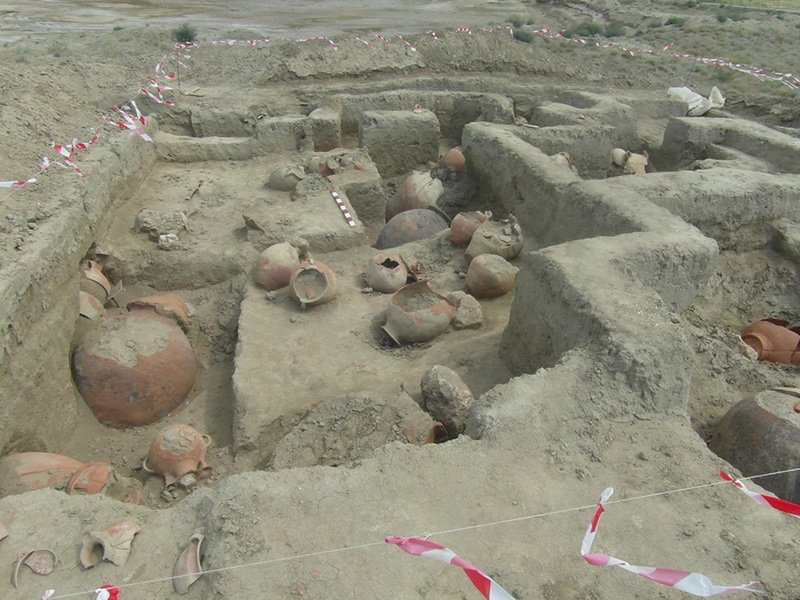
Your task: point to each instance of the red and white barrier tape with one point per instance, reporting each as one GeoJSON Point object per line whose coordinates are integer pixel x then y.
{"type": "Point", "coordinates": [490, 589]}
{"type": "Point", "coordinates": [104, 592]}
{"type": "Point", "coordinates": [686, 581]}
{"type": "Point", "coordinates": [345, 211]}
{"type": "Point", "coordinates": [16, 184]}
{"type": "Point", "coordinates": [778, 504]}
{"type": "Point", "coordinates": [129, 121]}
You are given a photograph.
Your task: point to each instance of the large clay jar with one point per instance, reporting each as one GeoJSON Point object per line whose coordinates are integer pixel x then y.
{"type": "Point", "coordinates": [418, 190]}
{"type": "Point", "coordinates": [387, 272]}
{"type": "Point", "coordinates": [410, 226]}
{"type": "Point", "coordinates": [761, 434]}
{"type": "Point", "coordinates": [773, 341]}
{"type": "Point", "coordinates": [276, 265]}
{"type": "Point", "coordinates": [134, 369]}
{"type": "Point", "coordinates": [312, 283]}
{"type": "Point", "coordinates": [177, 451]}
{"type": "Point", "coordinates": [503, 238]}
{"type": "Point", "coordinates": [418, 314]}
{"type": "Point", "coordinates": [489, 276]}
{"type": "Point", "coordinates": [464, 225]}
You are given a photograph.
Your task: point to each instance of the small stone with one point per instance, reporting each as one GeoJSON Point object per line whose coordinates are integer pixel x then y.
{"type": "Point", "coordinates": [446, 398]}
{"type": "Point", "coordinates": [168, 241]}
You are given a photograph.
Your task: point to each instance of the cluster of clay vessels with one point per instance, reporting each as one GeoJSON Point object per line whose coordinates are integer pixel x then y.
{"type": "Point", "coordinates": [416, 313]}
{"type": "Point", "coordinates": [133, 368]}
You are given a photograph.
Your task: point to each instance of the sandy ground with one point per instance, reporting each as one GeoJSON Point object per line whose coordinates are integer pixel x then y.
{"type": "Point", "coordinates": [65, 64]}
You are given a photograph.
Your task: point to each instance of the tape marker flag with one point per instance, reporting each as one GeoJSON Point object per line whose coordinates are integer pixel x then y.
{"type": "Point", "coordinates": [490, 589]}
{"type": "Point", "coordinates": [686, 581]}
{"type": "Point", "coordinates": [107, 592]}
{"type": "Point", "coordinates": [772, 501]}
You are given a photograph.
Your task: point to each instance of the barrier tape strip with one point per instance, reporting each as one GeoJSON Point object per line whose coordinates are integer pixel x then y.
{"type": "Point", "coordinates": [16, 184]}
{"type": "Point", "coordinates": [490, 589]}
{"type": "Point", "coordinates": [129, 121]}
{"type": "Point", "coordinates": [777, 503]}
{"type": "Point", "coordinates": [686, 581]}
{"type": "Point", "coordinates": [104, 592]}
{"type": "Point", "coordinates": [345, 211]}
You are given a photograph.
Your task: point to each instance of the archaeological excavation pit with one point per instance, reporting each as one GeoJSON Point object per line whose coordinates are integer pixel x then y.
{"type": "Point", "coordinates": [629, 299]}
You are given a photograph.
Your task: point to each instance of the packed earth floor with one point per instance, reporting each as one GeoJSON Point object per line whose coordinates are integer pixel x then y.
{"type": "Point", "coordinates": [614, 359]}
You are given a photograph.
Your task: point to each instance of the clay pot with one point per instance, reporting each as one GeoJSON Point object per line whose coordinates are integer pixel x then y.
{"type": "Point", "coordinates": [276, 265]}
{"type": "Point", "coordinates": [177, 451]}
{"type": "Point", "coordinates": [168, 305]}
{"type": "Point", "coordinates": [94, 282]}
{"type": "Point", "coordinates": [312, 283]}
{"type": "Point", "coordinates": [489, 276]}
{"type": "Point", "coordinates": [418, 190]}
{"type": "Point", "coordinates": [455, 158]}
{"type": "Point", "coordinates": [418, 314]}
{"type": "Point", "coordinates": [386, 272]}
{"type": "Point", "coordinates": [761, 434]}
{"type": "Point", "coordinates": [134, 369]}
{"type": "Point", "coordinates": [286, 178]}
{"type": "Point", "coordinates": [503, 238]}
{"type": "Point", "coordinates": [773, 341]}
{"type": "Point", "coordinates": [410, 226]}
{"type": "Point", "coordinates": [464, 225]}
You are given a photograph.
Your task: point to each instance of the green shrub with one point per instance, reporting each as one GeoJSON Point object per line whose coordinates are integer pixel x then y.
{"type": "Point", "coordinates": [543, 1]}
{"type": "Point", "coordinates": [516, 21]}
{"type": "Point", "coordinates": [614, 29]}
{"type": "Point", "coordinates": [655, 24]}
{"type": "Point", "coordinates": [185, 34]}
{"type": "Point", "coordinates": [583, 30]}
{"type": "Point", "coordinates": [522, 35]}
{"type": "Point", "coordinates": [723, 74]}
{"type": "Point", "coordinates": [677, 21]}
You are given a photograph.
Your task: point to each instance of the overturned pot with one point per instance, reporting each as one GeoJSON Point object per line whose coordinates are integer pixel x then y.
{"type": "Point", "coordinates": [418, 314]}
{"type": "Point", "coordinates": [312, 283]}
{"type": "Point", "coordinates": [276, 265]}
{"type": "Point", "coordinates": [464, 225]}
{"type": "Point", "coordinates": [490, 276]}
{"type": "Point", "coordinates": [410, 226]}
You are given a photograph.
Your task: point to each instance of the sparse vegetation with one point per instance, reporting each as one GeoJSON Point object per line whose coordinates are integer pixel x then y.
{"type": "Point", "coordinates": [184, 34]}
{"type": "Point", "coordinates": [676, 21]}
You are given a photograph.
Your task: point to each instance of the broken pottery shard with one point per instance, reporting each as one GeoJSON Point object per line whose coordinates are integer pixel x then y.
{"type": "Point", "coordinates": [42, 561]}
{"type": "Point", "coordinates": [116, 540]}
{"type": "Point", "coordinates": [187, 568]}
